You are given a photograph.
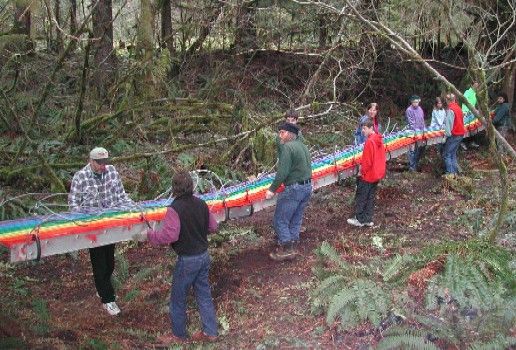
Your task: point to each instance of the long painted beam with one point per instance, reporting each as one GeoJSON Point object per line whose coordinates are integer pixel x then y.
{"type": "Point", "coordinates": [40, 236]}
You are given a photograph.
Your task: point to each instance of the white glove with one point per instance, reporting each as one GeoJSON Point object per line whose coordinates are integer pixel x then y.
{"type": "Point", "coordinates": [139, 237]}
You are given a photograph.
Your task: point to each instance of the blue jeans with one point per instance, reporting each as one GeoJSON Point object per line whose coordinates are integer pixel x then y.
{"type": "Point", "coordinates": [192, 271]}
{"type": "Point", "coordinates": [450, 154]}
{"type": "Point", "coordinates": [415, 155]}
{"type": "Point", "coordinates": [290, 207]}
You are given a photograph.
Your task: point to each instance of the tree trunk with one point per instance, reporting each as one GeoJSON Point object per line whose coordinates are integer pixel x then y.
{"type": "Point", "coordinates": [59, 34]}
{"type": "Point", "coordinates": [80, 104]}
{"type": "Point", "coordinates": [205, 30]}
{"type": "Point", "coordinates": [323, 31]}
{"type": "Point", "coordinates": [438, 49]}
{"type": "Point", "coordinates": [166, 26]}
{"type": "Point", "coordinates": [509, 84]}
{"type": "Point", "coordinates": [245, 35]}
{"type": "Point", "coordinates": [73, 16]}
{"type": "Point", "coordinates": [22, 20]}
{"type": "Point", "coordinates": [145, 32]}
{"type": "Point", "coordinates": [104, 57]}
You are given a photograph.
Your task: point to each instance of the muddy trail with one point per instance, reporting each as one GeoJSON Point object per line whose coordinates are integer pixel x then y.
{"type": "Point", "coordinates": [260, 304]}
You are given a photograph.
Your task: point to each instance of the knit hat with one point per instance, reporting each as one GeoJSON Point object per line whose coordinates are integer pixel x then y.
{"type": "Point", "coordinates": [100, 155]}
{"type": "Point", "coordinates": [289, 127]}
{"type": "Point", "coordinates": [414, 98]}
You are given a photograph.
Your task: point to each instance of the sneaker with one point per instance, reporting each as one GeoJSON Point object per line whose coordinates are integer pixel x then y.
{"type": "Point", "coordinates": [369, 224]}
{"type": "Point", "coordinates": [355, 222]}
{"type": "Point", "coordinates": [203, 337]}
{"type": "Point", "coordinates": [111, 308]}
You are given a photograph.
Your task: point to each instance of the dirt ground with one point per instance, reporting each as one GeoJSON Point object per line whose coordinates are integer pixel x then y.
{"type": "Point", "coordinates": [260, 304]}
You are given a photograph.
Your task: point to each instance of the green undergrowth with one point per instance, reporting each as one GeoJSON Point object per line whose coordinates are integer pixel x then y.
{"type": "Point", "coordinates": [452, 293]}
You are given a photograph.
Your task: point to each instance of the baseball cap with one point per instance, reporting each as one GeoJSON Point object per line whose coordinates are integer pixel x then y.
{"type": "Point", "coordinates": [100, 155]}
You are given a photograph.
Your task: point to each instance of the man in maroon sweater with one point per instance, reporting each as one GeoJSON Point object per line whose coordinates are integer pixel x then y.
{"type": "Point", "coordinates": [372, 170]}
{"type": "Point", "coordinates": [454, 130]}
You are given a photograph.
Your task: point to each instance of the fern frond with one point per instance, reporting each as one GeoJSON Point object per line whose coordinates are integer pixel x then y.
{"type": "Point", "coordinates": [438, 328]}
{"type": "Point", "coordinates": [328, 286]}
{"type": "Point", "coordinates": [363, 301]}
{"type": "Point", "coordinates": [327, 251]}
{"type": "Point", "coordinates": [338, 303]}
{"type": "Point", "coordinates": [468, 285]}
{"type": "Point", "coordinates": [396, 266]}
{"type": "Point", "coordinates": [405, 338]}
{"type": "Point", "coordinates": [499, 343]}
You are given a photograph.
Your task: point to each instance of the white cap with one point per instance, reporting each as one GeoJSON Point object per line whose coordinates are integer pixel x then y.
{"type": "Point", "coordinates": [99, 153]}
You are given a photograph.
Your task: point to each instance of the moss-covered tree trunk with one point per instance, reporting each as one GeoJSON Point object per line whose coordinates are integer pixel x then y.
{"type": "Point", "coordinates": [509, 87]}
{"type": "Point", "coordinates": [145, 49]}
{"type": "Point", "coordinates": [59, 34]}
{"type": "Point", "coordinates": [483, 106]}
{"type": "Point", "coordinates": [104, 56]}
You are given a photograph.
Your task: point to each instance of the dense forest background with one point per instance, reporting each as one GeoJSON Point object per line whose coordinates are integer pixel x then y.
{"type": "Point", "coordinates": [163, 84]}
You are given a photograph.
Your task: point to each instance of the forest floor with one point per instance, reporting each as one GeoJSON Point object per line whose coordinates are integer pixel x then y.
{"type": "Point", "coordinates": [260, 304]}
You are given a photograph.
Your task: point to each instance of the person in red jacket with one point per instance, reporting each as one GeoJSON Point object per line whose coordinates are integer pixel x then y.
{"type": "Point", "coordinates": [454, 131]}
{"type": "Point", "coordinates": [372, 170]}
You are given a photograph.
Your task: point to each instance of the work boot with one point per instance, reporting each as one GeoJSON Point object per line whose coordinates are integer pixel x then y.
{"type": "Point", "coordinates": [282, 253]}
{"type": "Point", "coordinates": [295, 247]}
{"type": "Point", "coordinates": [203, 337]}
{"type": "Point", "coordinates": [291, 248]}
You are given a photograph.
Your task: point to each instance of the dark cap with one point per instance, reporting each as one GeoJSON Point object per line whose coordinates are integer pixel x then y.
{"type": "Point", "coordinates": [414, 98]}
{"type": "Point", "coordinates": [289, 127]}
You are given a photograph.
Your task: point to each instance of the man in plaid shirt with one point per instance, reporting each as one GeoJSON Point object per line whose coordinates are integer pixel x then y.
{"type": "Point", "coordinates": [95, 187]}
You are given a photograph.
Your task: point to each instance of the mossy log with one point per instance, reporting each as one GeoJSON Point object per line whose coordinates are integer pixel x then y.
{"type": "Point", "coordinates": [178, 105]}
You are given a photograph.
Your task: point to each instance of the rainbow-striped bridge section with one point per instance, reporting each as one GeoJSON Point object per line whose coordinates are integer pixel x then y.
{"type": "Point", "coordinates": [34, 237]}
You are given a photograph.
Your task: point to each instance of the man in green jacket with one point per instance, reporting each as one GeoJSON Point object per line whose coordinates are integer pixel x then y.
{"type": "Point", "coordinates": [295, 172]}
{"type": "Point", "coordinates": [291, 116]}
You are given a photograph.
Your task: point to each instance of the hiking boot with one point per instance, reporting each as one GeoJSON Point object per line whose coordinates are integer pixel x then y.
{"type": "Point", "coordinates": [292, 248]}
{"type": "Point", "coordinates": [168, 339]}
{"type": "Point", "coordinates": [355, 222]}
{"type": "Point", "coordinates": [203, 337]}
{"type": "Point", "coordinates": [295, 247]}
{"type": "Point", "coordinates": [112, 308]}
{"type": "Point", "coordinates": [282, 253]}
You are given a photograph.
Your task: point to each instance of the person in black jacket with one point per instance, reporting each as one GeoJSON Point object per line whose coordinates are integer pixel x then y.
{"type": "Point", "coordinates": [185, 227]}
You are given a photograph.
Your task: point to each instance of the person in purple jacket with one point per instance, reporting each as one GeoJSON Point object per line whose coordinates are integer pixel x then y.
{"type": "Point", "coordinates": [415, 121]}
{"type": "Point", "coordinates": [185, 227]}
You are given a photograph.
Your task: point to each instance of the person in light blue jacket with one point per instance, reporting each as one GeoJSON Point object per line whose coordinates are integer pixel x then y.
{"type": "Point", "coordinates": [371, 113]}
{"type": "Point", "coordinates": [438, 114]}
{"type": "Point", "coordinates": [438, 117]}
